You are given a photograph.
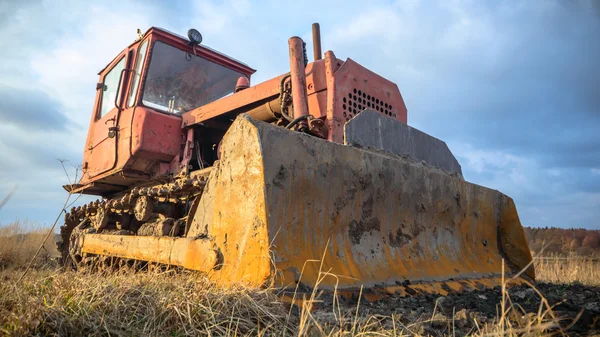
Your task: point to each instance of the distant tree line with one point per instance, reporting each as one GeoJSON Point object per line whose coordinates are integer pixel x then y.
{"type": "Point", "coordinates": [565, 242]}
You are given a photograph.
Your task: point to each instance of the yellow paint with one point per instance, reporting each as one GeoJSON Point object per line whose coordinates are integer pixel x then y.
{"type": "Point", "coordinates": [302, 198]}
{"type": "Point", "coordinates": [185, 252]}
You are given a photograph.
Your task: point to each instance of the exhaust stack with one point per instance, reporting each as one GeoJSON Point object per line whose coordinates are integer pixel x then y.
{"type": "Point", "coordinates": [316, 35]}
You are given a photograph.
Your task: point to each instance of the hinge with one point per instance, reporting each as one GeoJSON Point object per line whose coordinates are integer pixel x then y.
{"type": "Point", "coordinates": [100, 86]}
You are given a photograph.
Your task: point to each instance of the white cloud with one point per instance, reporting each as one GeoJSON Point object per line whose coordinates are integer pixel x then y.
{"type": "Point", "coordinates": [69, 69]}
{"type": "Point", "coordinates": [542, 195]}
{"type": "Point", "coordinates": [448, 58]}
{"type": "Point", "coordinates": [480, 160]}
{"type": "Point", "coordinates": [66, 68]}
{"type": "Point", "coordinates": [495, 169]}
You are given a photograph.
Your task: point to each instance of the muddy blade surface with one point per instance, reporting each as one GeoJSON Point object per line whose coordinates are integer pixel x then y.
{"type": "Point", "coordinates": [279, 202]}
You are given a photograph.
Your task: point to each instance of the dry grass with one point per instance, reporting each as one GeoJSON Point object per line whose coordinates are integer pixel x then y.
{"type": "Point", "coordinates": [176, 304]}
{"type": "Point", "coordinates": [568, 270]}
{"type": "Point", "coordinates": [159, 303]}
{"type": "Point", "coordinates": [20, 240]}
{"type": "Point", "coordinates": [133, 304]}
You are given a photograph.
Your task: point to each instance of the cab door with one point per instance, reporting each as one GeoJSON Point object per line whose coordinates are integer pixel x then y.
{"type": "Point", "coordinates": [103, 140]}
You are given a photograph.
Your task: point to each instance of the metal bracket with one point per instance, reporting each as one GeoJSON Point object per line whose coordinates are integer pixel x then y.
{"type": "Point", "coordinates": [112, 131]}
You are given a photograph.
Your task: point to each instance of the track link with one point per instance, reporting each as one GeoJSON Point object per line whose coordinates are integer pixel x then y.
{"type": "Point", "coordinates": [133, 212]}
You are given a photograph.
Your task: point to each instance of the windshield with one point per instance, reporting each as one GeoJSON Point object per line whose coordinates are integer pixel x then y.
{"type": "Point", "coordinates": [177, 81]}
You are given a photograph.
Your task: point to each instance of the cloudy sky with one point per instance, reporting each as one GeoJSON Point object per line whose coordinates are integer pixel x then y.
{"type": "Point", "coordinates": [512, 87]}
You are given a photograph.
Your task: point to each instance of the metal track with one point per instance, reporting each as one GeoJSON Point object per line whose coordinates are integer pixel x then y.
{"type": "Point", "coordinates": [108, 216]}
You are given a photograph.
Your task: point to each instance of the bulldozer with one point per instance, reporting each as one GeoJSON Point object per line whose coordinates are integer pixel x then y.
{"type": "Point", "coordinates": [310, 179]}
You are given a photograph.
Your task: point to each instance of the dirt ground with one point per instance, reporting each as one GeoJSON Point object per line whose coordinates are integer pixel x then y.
{"type": "Point", "coordinates": [575, 306]}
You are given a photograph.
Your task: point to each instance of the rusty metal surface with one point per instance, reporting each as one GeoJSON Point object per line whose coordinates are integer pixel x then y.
{"type": "Point", "coordinates": [145, 139]}
{"type": "Point", "coordinates": [281, 207]}
{"type": "Point", "coordinates": [242, 83]}
{"type": "Point", "coordinates": [260, 93]}
{"type": "Point", "coordinates": [316, 81]}
{"type": "Point", "coordinates": [377, 219]}
{"type": "Point", "coordinates": [195, 254]}
{"type": "Point", "coordinates": [151, 206]}
{"type": "Point", "coordinates": [352, 88]}
{"type": "Point", "coordinates": [100, 151]}
{"type": "Point", "coordinates": [373, 130]}
{"type": "Point", "coordinates": [272, 209]}
{"type": "Point", "coordinates": [155, 136]}
{"type": "Point", "coordinates": [100, 156]}
{"type": "Point", "coordinates": [232, 209]}
{"type": "Point", "coordinates": [139, 140]}
{"type": "Point", "coordinates": [267, 112]}
{"type": "Point", "coordinates": [337, 91]}
{"type": "Point", "coordinates": [298, 76]}
{"type": "Point", "coordinates": [146, 142]}
{"type": "Point", "coordinates": [316, 37]}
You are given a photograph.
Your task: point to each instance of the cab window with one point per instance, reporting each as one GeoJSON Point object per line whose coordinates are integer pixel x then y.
{"type": "Point", "coordinates": [109, 88]}
{"type": "Point", "coordinates": [137, 72]}
{"type": "Point", "coordinates": [177, 81]}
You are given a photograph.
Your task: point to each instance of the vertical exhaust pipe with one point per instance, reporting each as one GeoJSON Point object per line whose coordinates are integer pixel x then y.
{"type": "Point", "coordinates": [298, 80]}
{"type": "Point", "coordinates": [316, 36]}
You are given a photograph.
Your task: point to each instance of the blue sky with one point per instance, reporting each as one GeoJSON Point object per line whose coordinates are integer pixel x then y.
{"type": "Point", "coordinates": [513, 87]}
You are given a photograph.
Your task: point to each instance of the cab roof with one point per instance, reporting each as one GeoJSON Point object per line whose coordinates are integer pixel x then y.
{"type": "Point", "coordinates": [201, 50]}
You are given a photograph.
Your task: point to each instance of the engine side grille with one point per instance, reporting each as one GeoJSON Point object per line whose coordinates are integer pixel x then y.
{"type": "Point", "coordinates": [357, 100]}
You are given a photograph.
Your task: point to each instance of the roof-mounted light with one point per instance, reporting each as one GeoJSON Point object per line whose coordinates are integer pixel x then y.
{"type": "Point", "coordinates": [195, 37]}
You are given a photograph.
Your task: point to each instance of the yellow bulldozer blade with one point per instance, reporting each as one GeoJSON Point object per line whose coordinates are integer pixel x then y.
{"type": "Point", "coordinates": [284, 208]}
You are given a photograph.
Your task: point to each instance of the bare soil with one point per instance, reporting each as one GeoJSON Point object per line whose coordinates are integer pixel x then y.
{"type": "Point", "coordinates": [575, 306]}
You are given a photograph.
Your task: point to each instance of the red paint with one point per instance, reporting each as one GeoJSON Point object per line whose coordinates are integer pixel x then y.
{"type": "Point", "coordinates": [145, 140]}
{"type": "Point", "coordinates": [150, 143]}
{"type": "Point", "coordinates": [155, 135]}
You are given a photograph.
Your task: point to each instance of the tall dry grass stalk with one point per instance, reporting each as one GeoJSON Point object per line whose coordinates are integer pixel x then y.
{"type": "Point", "coordinates": [20, 240]}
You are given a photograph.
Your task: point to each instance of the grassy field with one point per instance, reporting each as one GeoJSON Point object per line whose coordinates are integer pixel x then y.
{"type": "Point", "coordinates": [19, 242]}
{"type": "Point", "coordinates": [48, 301]}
